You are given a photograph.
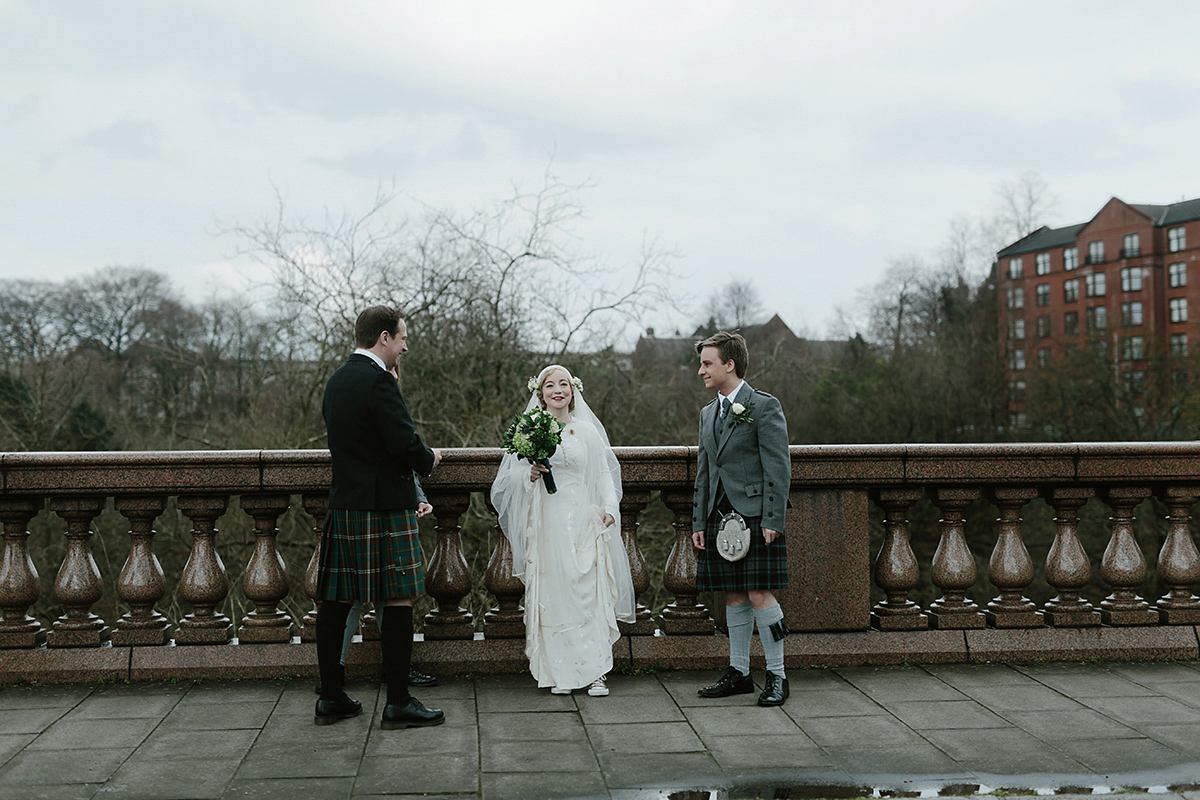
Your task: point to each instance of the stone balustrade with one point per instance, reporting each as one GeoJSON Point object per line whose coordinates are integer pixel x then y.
{"type": "Point", "coordinates": [829, 602]}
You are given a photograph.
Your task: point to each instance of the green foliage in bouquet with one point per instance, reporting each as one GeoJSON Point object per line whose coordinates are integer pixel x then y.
{"type": "Point", "coordinates": [535, 435]}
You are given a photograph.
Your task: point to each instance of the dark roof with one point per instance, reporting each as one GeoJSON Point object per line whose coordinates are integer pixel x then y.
{"type": "Point", "coordinates": [1042, 239]}
{"type": "Point", "coordinates": [1182, 211]}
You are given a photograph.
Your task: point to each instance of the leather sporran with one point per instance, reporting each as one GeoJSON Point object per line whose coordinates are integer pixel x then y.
{"type": "Point", "coordinates": [733, 537]}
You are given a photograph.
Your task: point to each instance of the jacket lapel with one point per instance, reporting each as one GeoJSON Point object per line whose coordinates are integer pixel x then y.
{"type": "Point", "coordinates": [727, 426]}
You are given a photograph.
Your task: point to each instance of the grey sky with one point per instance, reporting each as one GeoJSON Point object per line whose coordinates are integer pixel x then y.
{"type": "Point", "coordinates": [801, 145]}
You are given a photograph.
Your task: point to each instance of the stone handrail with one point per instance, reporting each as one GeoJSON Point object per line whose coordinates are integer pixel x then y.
{"type": "Point", "coordinates": [828, 528]}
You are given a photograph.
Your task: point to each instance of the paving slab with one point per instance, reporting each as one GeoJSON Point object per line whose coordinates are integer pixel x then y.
{"type": "Point", "coordinates": [530, 727]}
{"type": "Point", "coordinates": [644, 737]}
{"type": "Point", "coordinates": [682, 770]}
{"type": "Point", "coordinates": [543, 785]}
{"type": "Point", "coordinates": [770, 752]}
{"type": "Point", "coordinates": [292, 788]}
{"type": "Point", "coordinates": [451, 772]}
{"type": "Point", "coordinates": [537, 757]}
{"type": "Point", "coordinates": [924, 715]}
{"type": "Point", "coordinates": [162, 779]}
{"type": "Point", "coordinates": [1002, 751]}
{"type": "Point", "coordinates": [632, 708]}
{"type": "Point", "coordinates": [839, 702]}
{"type": "Point", "coordinates": [86, 734]}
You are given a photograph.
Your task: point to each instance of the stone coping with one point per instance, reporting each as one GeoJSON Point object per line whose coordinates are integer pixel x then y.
{"type": "Point", "coordinates": [646, 468]}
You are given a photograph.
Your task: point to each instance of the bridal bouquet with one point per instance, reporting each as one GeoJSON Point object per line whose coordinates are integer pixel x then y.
{"type": "Point", "coordinates": [534, 436]}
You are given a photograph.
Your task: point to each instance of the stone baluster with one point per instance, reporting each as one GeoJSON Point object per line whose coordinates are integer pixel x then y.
{"type": "Point", "coordinates": [632, 504]}
{"type": "Point", "coordinates": [685, 615]}
{"type": "Point", "coordinates": [370, 623]}
{"type": "Point", "coordinates": [507, 619]}
{"type": "Point", "coordinates": [204, 583]}
{"type": "Point", "coordinates": [78, 585]}
{"type": "Point", "coordinates": [953, 570]}
{"type": "Point", "coordinates": [1067, 566]}
{"type": "Point", "coordinates": [1123, 566]}
{"type": "Point", "coordinates": [19, 584]}
{"type": "Point", "coordinates": [1011, 568]}
{"type": "Point", "coordinates": [896, 570]}
{"type": "Point", "coordinates": [449, 579]}
{"type": "Point", "coordinates": [1178, 561]}
{"type": "Point", "coordinates": [265, 581]}
{"type": "Point", "coordinates": [316, 505]}
{"type": "Point", "coordinates": [141, 583]}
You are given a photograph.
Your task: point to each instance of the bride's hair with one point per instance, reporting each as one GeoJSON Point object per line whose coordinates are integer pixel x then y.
{"type": "Point", "coordinates": [545, 374]}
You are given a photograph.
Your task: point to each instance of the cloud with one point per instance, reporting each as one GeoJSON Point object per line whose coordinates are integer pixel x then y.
{"type": "Point", "coordinates": [132, 138]}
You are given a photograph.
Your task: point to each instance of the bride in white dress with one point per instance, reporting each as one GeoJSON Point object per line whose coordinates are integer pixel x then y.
{"type": "Point", "coordinates": [567, 546]}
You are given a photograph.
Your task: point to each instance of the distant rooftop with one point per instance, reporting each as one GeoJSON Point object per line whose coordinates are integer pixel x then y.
{"type": "Point", "coordinates": [1044, 238]}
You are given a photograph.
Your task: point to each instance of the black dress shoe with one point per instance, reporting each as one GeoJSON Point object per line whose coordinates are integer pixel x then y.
{"type": "Point", "coordinates": [330, 711]}
{"type": "Point", "coordinates": [412, 715]}
{"type": "Point", "coordinates": [420, 679]}
{"type": "Point", "coordinates": [732, 682]}
{"type": "Point", "coordinates": [775, 691]}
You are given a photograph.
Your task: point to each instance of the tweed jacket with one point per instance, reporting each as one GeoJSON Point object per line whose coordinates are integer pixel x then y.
{"type": "Point", "coordinates": [748, 460]}
{"type": "Point", "coordinates": [372, 441]}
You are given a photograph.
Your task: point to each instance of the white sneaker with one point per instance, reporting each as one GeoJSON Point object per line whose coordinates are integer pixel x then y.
{"type": "Point", "coordinates": [598, 687]}
{"type": "Point", "coordinates": [559, 690]}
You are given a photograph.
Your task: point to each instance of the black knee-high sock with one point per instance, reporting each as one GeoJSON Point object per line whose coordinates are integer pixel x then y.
{"type": "Point", "coordinates": [331, 629]}
{"type": "Point", "coordinates": [395, 644]}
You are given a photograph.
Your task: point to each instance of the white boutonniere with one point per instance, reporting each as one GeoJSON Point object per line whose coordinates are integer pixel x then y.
{"type": "Point", "coordinates": [741, 413]}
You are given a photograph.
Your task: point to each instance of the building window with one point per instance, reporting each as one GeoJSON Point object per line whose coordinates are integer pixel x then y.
{"type": "Point", "coordinates": [1095, 252]}
{"type": "Point", "coordinates": [1071, 322]}
{"type": "Point", "coordinates": [1131, 313]}
{"type": "Point", "coordinates": [1071, 290]}
{"type": "Point", "coordinates": [1016, 328]}
{"type": "Point", "coordinates": [1043, 326]}
{"type": "Point", "coordinates": [1135, 382]}
{"type": "Point", "coordinates": [1176, 239]}
{"type": "Point", "coordinates": [1097, 318]}
{"type": "Point", "coordinates": [1070, 258]}
{"type": "Point", "coordinates": [1178, 307]}
{"type": "Point", "coordinates": [1135, 348]}
{"type": "Point", "coordinates": [1131, 279]}
{"type": "Point", "coordinates": [1042, 263]}
{"type": "Point", "coordinates": [1179, 344]}
{"type": "Point", "coordinates": [1043, 357]}
{"type": "Point", "coordinates": [1095, 284]}
{"type": "Point", "coordinates": [1042, 291]}
{"type": "Point", "coordinates": [1016, 359]}
{"type": "Point", "coordinates": [1016, 390]}
{"type": "Point", "coordinates": [1016, 297]}
{"type": "Point", "coordinates": [1014, 268]}
{"type": "Point", "coordinates": [1016, 419]}
{"type": "Point", "coordinates": [1177, 275]}
{"type": "Point", "coordinates": [1132, 246]}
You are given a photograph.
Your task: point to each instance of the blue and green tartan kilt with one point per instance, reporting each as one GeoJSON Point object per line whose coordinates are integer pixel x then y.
{"type": "Point", "coordinates": [764, 567]}
{"type": "Point", "coordinates": [370, 555]}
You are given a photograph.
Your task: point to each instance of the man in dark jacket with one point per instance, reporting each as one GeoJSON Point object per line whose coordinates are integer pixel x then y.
{"type": "Point", "coordinates": [370, 551]}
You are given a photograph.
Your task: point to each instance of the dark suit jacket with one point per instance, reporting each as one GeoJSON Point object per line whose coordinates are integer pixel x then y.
{"type": "Point", "coordinates": [372, 441]}
{"type": "Point", "coordinates": [749, 461]}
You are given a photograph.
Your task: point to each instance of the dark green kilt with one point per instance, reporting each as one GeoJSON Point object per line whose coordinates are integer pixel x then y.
{"type": "Point", "coordinates": [370, 555]}
{"type": "Point", "coordinates": [764, 567]}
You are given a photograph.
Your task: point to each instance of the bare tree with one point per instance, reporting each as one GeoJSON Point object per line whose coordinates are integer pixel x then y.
{"type": "Point", "coordinates": [736, 304]}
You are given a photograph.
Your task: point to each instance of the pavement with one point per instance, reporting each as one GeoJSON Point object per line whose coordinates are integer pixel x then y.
{"type": "Point", "coordinates": [953, 730]}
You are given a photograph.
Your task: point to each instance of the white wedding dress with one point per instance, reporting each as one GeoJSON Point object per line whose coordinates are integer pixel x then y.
{"type": "Point", "coordinates": [576, 571]}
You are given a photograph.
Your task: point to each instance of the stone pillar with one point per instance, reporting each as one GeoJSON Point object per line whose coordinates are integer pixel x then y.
{"type": "Point", "coordinates": [141, 583]}
{"type": "Point", "coordinates": [19, 584]}
{"type": "Point", "coordinates": [78, 584]}
{"type": "Point", "coordinates": [896, 570]}
{"type": "Point", "coordinates": [507, 619]}
{"type": "Point", "coordinates": [265, 581]}
{"type": "Point", "coordinates": [1123, 566]}
{"type": "Point", "coordinates": [1178, 561]}
{"type": "Point", "coordinates": [632, 504]}
{"type": "Point", "coordinates": [449, 580]}
{"type": "Point", "coordinates": [685, 615]}
{"type": "Point", "coordinates": [1067, 566]}
{"type": "Point", "coordinates": [316, 505]}
{"type": "Point", "coordinates": [1011, 568]}
{"type": "Point", "coordinates": [204, 583]}
{"type": "Point", "coordinates": [953, 569]}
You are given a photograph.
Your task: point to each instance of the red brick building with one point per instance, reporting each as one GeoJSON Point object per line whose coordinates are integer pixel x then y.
{"type": "Point", "coordinates": [1127, 281]}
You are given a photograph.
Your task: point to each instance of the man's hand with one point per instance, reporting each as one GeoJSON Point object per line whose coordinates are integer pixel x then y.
{"type": "Point", "coordinates": [698, 540]}
{"type": "Point", "coordinates": [770, 535]}
{"type": "Point", "coordinates": [437, 456]}
{"type": "Point", "coordinates": [424, 510]}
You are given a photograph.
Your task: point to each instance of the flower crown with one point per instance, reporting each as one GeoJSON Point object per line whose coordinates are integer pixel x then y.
{"type": "Point", "coordinates": [532, 384]}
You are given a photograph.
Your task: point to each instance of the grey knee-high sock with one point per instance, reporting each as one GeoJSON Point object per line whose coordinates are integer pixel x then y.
{"type": "Point", "coordinates": [351, 627]}
{"type": "Point", "coordinates": [772, 648]}
{"type": "Point", "coordinates": [740, 620]}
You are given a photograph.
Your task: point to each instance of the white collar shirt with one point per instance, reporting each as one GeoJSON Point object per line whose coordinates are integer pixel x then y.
{"type": "Point", "coordinates": [358, 351]}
